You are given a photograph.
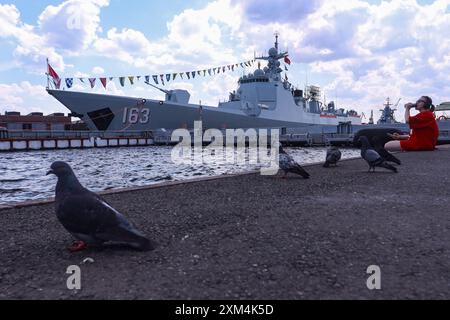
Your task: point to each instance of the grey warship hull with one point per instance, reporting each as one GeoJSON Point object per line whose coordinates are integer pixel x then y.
{"type": "Point", "coordinates": [116, 113]}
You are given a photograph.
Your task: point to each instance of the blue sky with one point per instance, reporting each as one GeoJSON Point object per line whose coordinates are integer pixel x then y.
{"type": "Point", "coordinates": [359, 52]}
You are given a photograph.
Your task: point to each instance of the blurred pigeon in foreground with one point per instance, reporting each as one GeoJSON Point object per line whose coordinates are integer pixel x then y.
{"type": "Point", "coordinates": [88, 217]}
{"type": "Point", "coordinates": [372, 157]}
{"type": "Point", "coordinates": [288, 164]}
{"type": "Point", "coordinates": [333, 157]}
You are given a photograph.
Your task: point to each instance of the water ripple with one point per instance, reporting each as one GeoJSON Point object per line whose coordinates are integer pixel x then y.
{"type": "Point", "coordinates": [23, 174]}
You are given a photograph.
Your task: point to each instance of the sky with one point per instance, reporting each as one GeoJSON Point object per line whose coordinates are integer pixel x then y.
{"type": "Point", "coordinates": [359, 52]}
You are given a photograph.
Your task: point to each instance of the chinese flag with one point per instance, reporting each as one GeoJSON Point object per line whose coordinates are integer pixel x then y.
{"type": "Point", "coordinates": [287, 60]}
{"type": "Point", "coordinates": [52, 73]}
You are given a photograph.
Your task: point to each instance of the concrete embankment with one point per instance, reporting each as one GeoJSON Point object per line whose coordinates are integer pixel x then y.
{"type": "Point", "coordinates": [254, 237]}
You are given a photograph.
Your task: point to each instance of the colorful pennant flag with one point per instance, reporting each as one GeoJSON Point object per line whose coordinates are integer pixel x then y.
{"type": "Point", "coordinates": [104, 82]}
{"type": "Point", "coordinates": [168, 77]}
{"type": "Point", "coordinates": [69, 82]}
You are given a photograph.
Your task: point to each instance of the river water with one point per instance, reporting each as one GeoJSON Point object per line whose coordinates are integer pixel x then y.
{"type": "Point", "coordinates": [23, 174]}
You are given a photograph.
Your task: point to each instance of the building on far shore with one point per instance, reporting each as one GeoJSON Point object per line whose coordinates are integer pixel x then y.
{"type": "Point", "coordinates": [36, 121]}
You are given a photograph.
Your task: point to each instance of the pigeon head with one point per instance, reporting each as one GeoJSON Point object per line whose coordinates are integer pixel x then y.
{"type": "Point", "coordinates": [60, 169]}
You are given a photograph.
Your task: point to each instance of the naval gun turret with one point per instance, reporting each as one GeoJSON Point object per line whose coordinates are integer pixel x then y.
{"type": "Point", "coordinates": [176, 96]}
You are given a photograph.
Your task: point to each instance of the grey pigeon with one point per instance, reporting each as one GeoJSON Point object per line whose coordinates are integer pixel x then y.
{"type": "Point", "coordinates": [288, 164]}
{"type": "Point", "coordinates": [333, 157]}
{"type": "Point", "coordinates": [378, 137]}
{"type": "Point", "coordinates": [88, 217]}
{"type": "Point", "coordinates": [372, 157]}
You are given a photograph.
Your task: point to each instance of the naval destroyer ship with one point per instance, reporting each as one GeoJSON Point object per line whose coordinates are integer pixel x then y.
{"type": "Point", "coordinates": [263, 99]}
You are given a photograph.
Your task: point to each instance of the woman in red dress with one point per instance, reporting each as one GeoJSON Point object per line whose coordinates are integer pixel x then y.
{"type": "Point", "coordinates": [425, 130]}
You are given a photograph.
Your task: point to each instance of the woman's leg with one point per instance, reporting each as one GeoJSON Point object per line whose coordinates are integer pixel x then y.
{"type": "Point", "coordinates": [393, 146]}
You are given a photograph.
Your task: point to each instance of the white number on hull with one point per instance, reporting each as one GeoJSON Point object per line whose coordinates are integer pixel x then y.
{"type": "Point", "coordinates": [135, 115]}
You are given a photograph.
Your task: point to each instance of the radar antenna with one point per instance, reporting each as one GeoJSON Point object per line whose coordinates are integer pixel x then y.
{"type": "Point", "coordinates": [277, 34]}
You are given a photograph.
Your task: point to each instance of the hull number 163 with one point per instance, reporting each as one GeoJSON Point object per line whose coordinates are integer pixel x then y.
{"type": "Point", "coordinates": [136, 115]}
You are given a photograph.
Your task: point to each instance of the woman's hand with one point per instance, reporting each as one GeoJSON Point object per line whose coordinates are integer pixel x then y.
{"type": "Point", "coordinates": [409, 106]}
{"type": "Point", "coordinates": [397, 136]}
{"type": "Point", "coordinates": [394, 136]}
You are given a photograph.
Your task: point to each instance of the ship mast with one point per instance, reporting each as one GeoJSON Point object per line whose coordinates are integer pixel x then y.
{"type": "Point", "coordinates": [277, 34]}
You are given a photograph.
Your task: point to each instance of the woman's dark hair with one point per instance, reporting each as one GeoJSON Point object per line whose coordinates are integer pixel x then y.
{"type": "Point", "coordinates": [429, 104]}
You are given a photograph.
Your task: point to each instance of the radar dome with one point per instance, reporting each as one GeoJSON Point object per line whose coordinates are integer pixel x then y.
{"type": "Point", "coordinates": [259, 72]}
{"type": "Point", "coordinates": [273, 52]}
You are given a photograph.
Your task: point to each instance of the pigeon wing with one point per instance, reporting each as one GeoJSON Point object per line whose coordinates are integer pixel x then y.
{"type": "Point", "coordinates": [286, 161]}
{"type": "Point", "coordinates": [300, 171]}
{"type": "Point", "coordinates": [371, 156]}
{"type": "Point", "coordinates": [387, 156]}
{"type": "Point", "coordinates": [83, 214]}
{"type": "Point", "coordinates": [90, 215]}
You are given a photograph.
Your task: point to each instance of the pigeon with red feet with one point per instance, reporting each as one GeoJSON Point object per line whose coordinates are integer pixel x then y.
{"type": "Point", "coordinates": [89, 218]}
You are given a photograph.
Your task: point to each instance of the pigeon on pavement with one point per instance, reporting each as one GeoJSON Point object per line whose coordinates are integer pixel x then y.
{"type": "Point", "coordinates": [88, 217]}
{"type": "Point", "coordinates": [333, 157]}
{"type": "Point", "coordinates": [288, 164]}
{"type": "Point", "coordinates": [372, 157]}
{"type": "Point", "coordinates": [378, 137]}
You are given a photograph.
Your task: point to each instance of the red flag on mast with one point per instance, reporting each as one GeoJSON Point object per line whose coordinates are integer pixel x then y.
{"type": "Point", "coordinates": [287, 60]}
{"type": "Point", "coordinates": [52, 73]}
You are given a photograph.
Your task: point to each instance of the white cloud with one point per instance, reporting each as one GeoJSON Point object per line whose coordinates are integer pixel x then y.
{"type": "Point", "coordinates": [98, 71]}
{"type": "Point", "coordinates": [72, 25]}
{"type": "Point", "coordinates": [66, 30]}
{"type": "Point", "coordinates": [27, 98]}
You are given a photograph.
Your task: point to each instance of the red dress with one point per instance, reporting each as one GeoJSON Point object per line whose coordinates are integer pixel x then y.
{"type": "Point", "coordinates": [425, 133]}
